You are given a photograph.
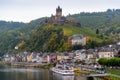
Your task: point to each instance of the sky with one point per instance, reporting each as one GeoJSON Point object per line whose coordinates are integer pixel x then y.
{"type": "Point", "coordinates": [27, 10]}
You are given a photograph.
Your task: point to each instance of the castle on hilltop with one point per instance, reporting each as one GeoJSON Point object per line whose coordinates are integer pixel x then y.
{"type": "Point", "coordinates": [58, 19]}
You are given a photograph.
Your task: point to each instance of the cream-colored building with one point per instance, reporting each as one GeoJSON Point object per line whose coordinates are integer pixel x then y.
{"type": "Point", "coordinates": [106, 54]}
{"type": "Point", "coordinates": [78, 39]}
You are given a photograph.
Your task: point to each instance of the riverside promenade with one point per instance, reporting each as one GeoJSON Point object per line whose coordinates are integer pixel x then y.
{"type": "Point", "coordinates": [28, 64]}
{"type": "Point", "coordinates": [23, 64]}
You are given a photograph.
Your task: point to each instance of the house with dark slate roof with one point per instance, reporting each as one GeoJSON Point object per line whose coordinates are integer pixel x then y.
{"type": "Point", "coordinates": [78, 39]}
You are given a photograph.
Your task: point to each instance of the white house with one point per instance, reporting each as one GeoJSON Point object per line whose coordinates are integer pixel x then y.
{"type": "Point", "coordinates": [78, 39]}
{"type": "Point", "coordinates": [106, 52]}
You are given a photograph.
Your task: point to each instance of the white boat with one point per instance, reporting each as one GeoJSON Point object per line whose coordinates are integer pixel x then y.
{"type": "Point", "coordinates": [64, 70]}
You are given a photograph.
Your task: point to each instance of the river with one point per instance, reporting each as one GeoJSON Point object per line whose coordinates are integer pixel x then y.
{"type": "Point", "coordinates": [13, 73]}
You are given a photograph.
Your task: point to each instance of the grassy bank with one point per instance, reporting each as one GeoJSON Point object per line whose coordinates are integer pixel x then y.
{"type": "Point", "coordinates": [48, 66]}
{"type": "Point", "coordinates": [20, 64]}
{"type": "Point", "coordinates": [116, 72]}
{"type": "Point", "coordinates": [5, 63]}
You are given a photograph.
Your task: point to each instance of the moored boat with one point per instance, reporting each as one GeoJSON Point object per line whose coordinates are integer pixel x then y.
{"type": "Point", "coordinates": [63, 69]}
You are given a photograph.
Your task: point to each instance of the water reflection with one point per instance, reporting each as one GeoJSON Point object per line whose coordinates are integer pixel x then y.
{"type": "Point", "coordinates": [62, 77]}
{"type": "Point", "coordinates": [20, 74]}
{"type": "Point", "coordinates": [10, 73]}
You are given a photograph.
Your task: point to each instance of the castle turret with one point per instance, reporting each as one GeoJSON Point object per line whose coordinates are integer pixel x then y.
{"type": "Point", "coordinates": [58, 12]}
{"type": "Point", "coordinates": [58, 18]}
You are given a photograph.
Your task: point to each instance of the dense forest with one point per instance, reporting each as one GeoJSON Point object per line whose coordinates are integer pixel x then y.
{"type": "Point", "coordinates": [11, 33]}
{"type": "Point", "coordinates": [5, 26]}
{"type": "Point", "coordinates": [99, 27]}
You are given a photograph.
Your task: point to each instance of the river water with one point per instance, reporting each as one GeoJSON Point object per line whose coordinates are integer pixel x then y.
{"type": "Point", "coordinates": [12, 73]}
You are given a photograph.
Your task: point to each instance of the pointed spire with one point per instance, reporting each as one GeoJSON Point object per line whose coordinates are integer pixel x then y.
{"type": "Point", "coordinates": [58, 9]}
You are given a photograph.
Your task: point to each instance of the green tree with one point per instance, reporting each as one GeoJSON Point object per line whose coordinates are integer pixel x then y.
{"type": "Point", "coordinates": [97, 31]}
{"type": "Point", "coordinates": [109, 62]}
{"type": "Point", "coordinates": [52, 44]}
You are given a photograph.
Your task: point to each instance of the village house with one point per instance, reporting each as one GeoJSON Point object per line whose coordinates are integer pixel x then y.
{"type": "Point", "coordinates": [45, 58]}
{"type": "Point", "coordinates": [67, 58]}
{"type": "Point", "coordinates": [71, 55]}
{"type": "Point", "coordinates": [6, 57]}
{"type": "Point", "coordinates": [52, 57]}
{"type": "Point", "coordinates": [117, 47]}
{"type": "Point", "coordinates": [118, 55]}
{"type": "Point", "coordinates": [13, 58]}
{"type": "Point", "coordinates": [9, 58]}
{"type": "Point", "coordinates": [59, 56]}
{"type": "Point", "coordinates": [78, 39]}
{"type": "Point", "coordinates": [78, 55]}
{"type": "Point", "coordinates": [106, 52]}
{"type": "Point", "coordinates": [90, 58]}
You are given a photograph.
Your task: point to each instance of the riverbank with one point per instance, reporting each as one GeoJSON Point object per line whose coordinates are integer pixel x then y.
{"type": "Point", "coordinates": [78, 71]}
{"type": "Point", "coordinates": [28, 64]}
{"type": "Point", "coordinates": [113, 71]}
{"type": "Point", "coordinates": [5, 63]}
{"type": "Point", "coordinates": [110, 74]}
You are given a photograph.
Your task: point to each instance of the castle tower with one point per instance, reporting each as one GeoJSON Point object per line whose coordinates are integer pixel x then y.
{"type": "Point", "coordinates": [58, 11]}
